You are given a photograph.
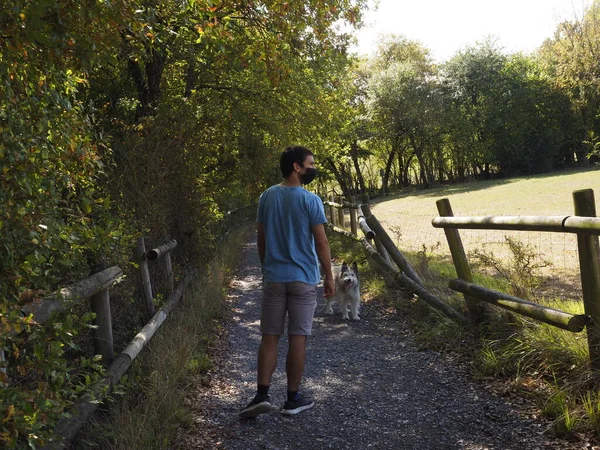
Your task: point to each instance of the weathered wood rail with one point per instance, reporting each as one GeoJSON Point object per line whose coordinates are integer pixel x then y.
{"type": "Point", "coordinates": [392, 263]}
{"type": "Point", "coordinates": [402, 272]}
{"type": "Point", "coordinates": [96, 288]}
{"type": "Point", "coordinates": [587, 227]}
{"type": "Point", "coordinates": [89, 402]}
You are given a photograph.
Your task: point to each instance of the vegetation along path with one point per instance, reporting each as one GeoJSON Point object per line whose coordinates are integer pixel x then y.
{"type": "Point", "coordinates": [372, 388]}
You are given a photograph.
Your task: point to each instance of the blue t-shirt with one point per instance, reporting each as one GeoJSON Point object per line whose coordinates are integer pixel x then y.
{"type": "Point", "coordinates": [287, 215]}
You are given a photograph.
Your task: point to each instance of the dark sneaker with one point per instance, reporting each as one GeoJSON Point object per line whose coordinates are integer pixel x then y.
{"type": "Point", "coordinates": [260, 404]}
{"type": "Point", "coordinates": [294, 407]}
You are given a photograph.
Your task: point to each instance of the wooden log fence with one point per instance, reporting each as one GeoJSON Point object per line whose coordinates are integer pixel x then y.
{"type": "Point", "coordinates": [387, 270]}
{"type": "Point", "coordinates": [587, 227]}
{"type": "Point", "coordinates": [96, 289]}
{"type": "Point", "coordinates": [366, 212]}
{"type": "Point", "coordinates": [404, 273]}
{"type": "Point", "coordinates": [164, 252]}
{"type": "Point", "coordinates": [557, 224]}
{"type": "Point", "coordinates": [589, 267]}
{"type": "Point", "coordinates": [551, 316]}
{"type": "Point", "coordinates": [145, 282]}
{"type": "Point", "coordinates": [392, 250]}
{"type": "Point", "coordinates": [89, 402]}
{"type": "Point", "coordinates": [353, 218]}
{"type": "Point", "coordinates": [459, 258]}
{"type": "Point", "coordinates": [584, 223]}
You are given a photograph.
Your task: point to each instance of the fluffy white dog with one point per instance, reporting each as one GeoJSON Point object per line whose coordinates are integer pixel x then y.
{"type": "Point", "coordinates": [347, 291]}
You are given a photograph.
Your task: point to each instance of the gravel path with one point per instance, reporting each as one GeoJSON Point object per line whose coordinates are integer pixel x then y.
{"type": "Point", "coordinates": [372, 389]}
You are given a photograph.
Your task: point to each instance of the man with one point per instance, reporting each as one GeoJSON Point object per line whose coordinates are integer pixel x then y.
{"type": "Point", "coordinates": [290, 237]}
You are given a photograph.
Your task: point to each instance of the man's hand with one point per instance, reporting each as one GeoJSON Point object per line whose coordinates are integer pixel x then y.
{"type": "Point", "coordinates": [328, 287]}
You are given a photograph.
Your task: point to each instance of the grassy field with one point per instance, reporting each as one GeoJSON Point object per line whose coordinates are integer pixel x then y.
{"type": "Point", "coordinates": [536, 360]}
{"type": "Point", "coordinates": [407, 217]}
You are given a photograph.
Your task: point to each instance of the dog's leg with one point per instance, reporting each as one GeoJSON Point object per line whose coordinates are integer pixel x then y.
{"type": "Point", "coordinates": [343, 304]}
{"type": "Point", "coordinates": [328, 308]}
{"type": "Point", "coordinates": [355, 308]}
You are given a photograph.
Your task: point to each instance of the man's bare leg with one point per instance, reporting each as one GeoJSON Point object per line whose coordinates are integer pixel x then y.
{"type": "Point", "coordinates": [267, 358]}
{"type": "Point", "coordinates": [267, 362]}
{"type": "Point", "coordinates": [296, 357]}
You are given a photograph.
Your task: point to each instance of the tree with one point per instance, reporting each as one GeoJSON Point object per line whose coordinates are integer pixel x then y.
{"type": "Point", "coordinates": [472, 81]}
{"type": "Point", "coordinates": [405, 103]}
{"type": "Point", "coordinates": [123, 116]}
{"type": "Point", "coordinates": [570, 59]}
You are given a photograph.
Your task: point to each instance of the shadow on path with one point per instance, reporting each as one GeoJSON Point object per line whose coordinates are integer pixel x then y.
{"type": "Point", "coordinates": [372, 388]}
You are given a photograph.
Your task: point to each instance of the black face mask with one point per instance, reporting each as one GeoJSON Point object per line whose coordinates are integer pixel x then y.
{"type": "Point", "coordinates": [308, 176]}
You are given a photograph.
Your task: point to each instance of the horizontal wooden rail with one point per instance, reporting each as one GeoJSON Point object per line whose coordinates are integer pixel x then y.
{"type": "Point", "coordinates": [559, 224]}
{"type": "Point", "coordinates": [551, 316]}
{"type": "Point", "coordinates": [393, 251]}
{"type": "Point", "coordinates": [393, 272]}
{"type": "Point", "coordinates": [364, 226]}
{"type": "Point", "coordinates": [342, 205]}
{"type": "Point", "coordinates": [362, 223]}
{"type": "Point", "coordinates": [89, 402]}
{"type": "Point", "coordinates": [43, 309]}
{"type": "Point", "coordinates": [155, 253]}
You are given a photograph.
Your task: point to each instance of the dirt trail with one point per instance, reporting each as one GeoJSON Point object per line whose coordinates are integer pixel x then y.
{"type": "Point", "coordinates": [372, 389]}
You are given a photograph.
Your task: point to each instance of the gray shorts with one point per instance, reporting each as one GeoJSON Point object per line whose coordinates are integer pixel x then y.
{"type": "Point", "coordinates": [297, 299]}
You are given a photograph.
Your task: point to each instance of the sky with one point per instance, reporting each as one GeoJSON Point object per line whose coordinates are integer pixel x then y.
{"type": "Point", "coordinates": [446, 26]}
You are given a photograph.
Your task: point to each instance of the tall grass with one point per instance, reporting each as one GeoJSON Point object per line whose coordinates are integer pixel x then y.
{"type": "Point", "coordinates": [544, 362]}
{"type": "Point", "coordinates": [151, 408]}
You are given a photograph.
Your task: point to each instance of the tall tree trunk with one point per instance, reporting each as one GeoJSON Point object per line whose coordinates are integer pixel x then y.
{"type": "Point", "coordinates": [339, 175]}
{"type": "Point", "coordinates": [154, 70]}
{"type": "Point", "coordinates": [388, 168]}
{"type": "Point", "coordinates": [148, 87]}
{"type": "Point", "coordinates": [423, 176]}
{"type": "Point", "coordinates": [406, 170]}
{"type": "Point", "coordinates": [190, 77]}
{"type": "Point", "coordinates": [359, 176]}
{"type": "Point", "coordinates": [140, 83]}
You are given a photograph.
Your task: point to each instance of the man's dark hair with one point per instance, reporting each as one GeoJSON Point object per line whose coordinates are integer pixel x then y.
{"type": "Point", "coordinates": [291, 155]}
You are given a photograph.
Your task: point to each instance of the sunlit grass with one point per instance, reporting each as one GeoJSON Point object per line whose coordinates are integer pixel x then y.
{"type": "Point", "coordinates": [538, 360]}
{"type": "Point", "coordinates": [543, 362]}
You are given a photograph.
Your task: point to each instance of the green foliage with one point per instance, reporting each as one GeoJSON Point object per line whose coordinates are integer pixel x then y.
{"type": "Point", "coordinates": [145, 117]}
{"type": "Point", "coordinates": [569, 60]}
{"type": "Point", "coordinates": [591, 405]}
{"type": "Point", "coordinates": [520, 269]}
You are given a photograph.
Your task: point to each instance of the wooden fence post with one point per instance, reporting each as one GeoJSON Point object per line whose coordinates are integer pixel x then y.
{"type": "Point", "coordinates": [366, 210]}
{"type": "Point", "coordinates": [2, 369]}
{"type": "Point", "coordinates": [103, 336]}
{"type": "Point", "coordinates": [589, 266]}
{"type": "Point", "coordinates": [459, 257]}
{"type": "Point", "coordinates": [341, 219]}
{"type": "Point", "coordinates": [353, 221]}
{"type": "Point", "coordinates": [365, 199]}
{"type": "Point", "coordinates": [383, 240]}
{"type": "Point", "coordinates": [334, 218]}
{"type": "Point", "coordinates": [164, 251]}
{"type": "Point", "coordinates": [169, 273]}
{"type": "Point", "coordinates": [145, 274]}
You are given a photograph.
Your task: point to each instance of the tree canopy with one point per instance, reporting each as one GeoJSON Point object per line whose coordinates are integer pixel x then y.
{"type": "Point", "coordinates": [157, 117]}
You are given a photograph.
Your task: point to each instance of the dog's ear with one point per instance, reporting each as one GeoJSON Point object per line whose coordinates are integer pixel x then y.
{"type": "Point", "coordinates": [344, 267]}
{"type": "Point", "coordinates": [355, 268]}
